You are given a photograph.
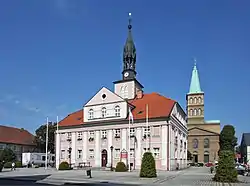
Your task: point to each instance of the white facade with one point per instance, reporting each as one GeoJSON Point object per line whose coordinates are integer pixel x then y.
{"type": "Point", "coordinates": [105, 125]}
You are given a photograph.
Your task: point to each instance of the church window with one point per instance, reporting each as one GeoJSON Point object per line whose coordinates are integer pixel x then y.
{"type": "Point", "coordinates": [191, 100]}
{"type": "Point", "coordinates": [199, 112]}
{"type": "Point", "coordinates": [91, 114]}
{"type": "Point", "coordinates": [190, 112]}
{"type": "Point", "coordinates": [195, 112]}
{"type": "Point", "coordinates": [117, 111]}
{"type": "Point", "coordinates": [126, 92]}
{"type": "Point", "coordinates": [195, 143]}
{"type": "Point", "coordinates": [104, 112]}
{"type": "Point", "coordinates": [195, 100]}
{"type": "Point", "coordinates": [206, 143]}
{"type": "Point", "coordinates": [199, 100]}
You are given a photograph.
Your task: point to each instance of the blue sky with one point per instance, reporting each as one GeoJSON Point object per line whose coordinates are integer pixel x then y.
{"type": "Point", "coordinates": [56, 54]}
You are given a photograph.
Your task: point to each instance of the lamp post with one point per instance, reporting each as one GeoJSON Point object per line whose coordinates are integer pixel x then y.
{"type": "Point", "coordinates": [70, 149]}
{"type": "Point", "coordinates": [111, 166]}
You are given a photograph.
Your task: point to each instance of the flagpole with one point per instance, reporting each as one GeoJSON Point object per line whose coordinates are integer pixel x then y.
{"type": "Point", "coordinates": [47, 140]}
{"type": "Point", "coordinates": [129, 141]}
{"type": "Point", "coordinates": [57, 143]}
{"type": "Point", "coordinates": [147, 146]}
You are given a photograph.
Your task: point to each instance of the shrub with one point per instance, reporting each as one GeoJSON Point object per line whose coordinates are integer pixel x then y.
{"type": "Point", "coordinates": [121, 167]}
{"type": "Point", "coordinates": [200, 164]}
{"type": "Point", "coordinates": [226, 171]}
{"type": "Point", "coordinates": [1, 167]}
{"type": "Point", "coordinates": [148, 169]}
{"type": "Point", "coordinates": [7, 165]}
{"type": "Point", "coordinates": [64, 166]}
{"type": "Point", "coordinates": [19, 164]}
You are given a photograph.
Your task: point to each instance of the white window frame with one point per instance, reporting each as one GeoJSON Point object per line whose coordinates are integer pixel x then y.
{"type": "Point", "coordinates": [104, 134]}
{"type": "Point", "coordinates": [117, 153]}
{"type": "Point", "coordinates": [62, 154]}
{"type": "Point", "coordinates": [156, 152]}
{"type": "Point", "coordinates": [132, 131]}
{"type": "Point", "coordinates": [79, 153]}
{"type": "Point", "coordinates": [117, 133]}
{"type": "Point", "coordinates": [91, 114]}
{"type": "Point", "coordinates": [117, 111]}
{"type": "Point", "coordinates": [91, 153]}
{"type": "Point", "coordinates": [132, 153]}
{"type": "Point", "coordinates": [104, 112]}
{"type": "Point", "coordinates": [79, 135]}
{"type": "Point", "coordinates": [146, 131]}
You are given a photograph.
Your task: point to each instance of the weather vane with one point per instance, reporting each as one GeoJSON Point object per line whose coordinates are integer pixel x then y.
{"type": "Point", "coordinates": [129, 21]}
{"type": "Point", "coordinates": [194, 58]}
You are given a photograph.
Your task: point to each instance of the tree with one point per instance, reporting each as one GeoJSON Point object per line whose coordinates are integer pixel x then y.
{"type": "Point", "coordinates": [40, 137]}
{"type": "Point", "coordinates": [7, 155]}
{"type": "Point", "coordinates": [189, 155]}
{"type": "Point", "coordinates": [228, 141]}
{"type": "Point", "coordinates": [148, 169]}
{"type": "Point", "coordinates": [226, 171]}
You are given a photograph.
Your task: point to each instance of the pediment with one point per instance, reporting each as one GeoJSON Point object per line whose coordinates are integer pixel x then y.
{"type": "Point", "coordinates": [104, 96]}
{"type": "Point", "coordinates": [200, 132]}
{"type": "Point", "coordinates": [178, 113]}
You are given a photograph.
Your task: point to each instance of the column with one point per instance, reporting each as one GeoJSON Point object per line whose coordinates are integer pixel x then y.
{"type": "Point", "coordinates": [164, 146]}
{"type": "Point", "coordinates": [124, 139]}
{"type": "Point", "coordinates": [58, 150]}
{"type": "Point", "coordinates": [110, 143]}
{"type": "Point", "coordinates": [97, 149]}
{"type": "Point", "coordinates": [73, 151]}
{"type": "Point", "coordinates": [85, 148]}
{"type": "Point", "coordinates": [138, 154]}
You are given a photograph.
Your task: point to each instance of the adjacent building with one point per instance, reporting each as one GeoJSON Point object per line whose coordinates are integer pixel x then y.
{"type": "Point", "coordinates": [18, 140]}
{"type": "Point", "coordinates": [121, 125]}
{"type": "Point", "coordinates": [245, 147]}
{"type": "Point", "coordinates": [203, 136]}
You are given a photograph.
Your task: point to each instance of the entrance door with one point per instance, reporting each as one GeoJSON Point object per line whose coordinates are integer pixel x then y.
{"type": "Point", "coordinates": [195, 158]}
{"type": "Point", "coordinates": [104, 158]}
{"type": "Point", "coordinates": [206, 158]}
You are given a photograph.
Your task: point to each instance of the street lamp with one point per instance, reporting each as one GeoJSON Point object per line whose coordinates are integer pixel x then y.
{"type": "Point", "coordinates": [111, 149]}
{"type": "Point", "coordinates": [70, 149]}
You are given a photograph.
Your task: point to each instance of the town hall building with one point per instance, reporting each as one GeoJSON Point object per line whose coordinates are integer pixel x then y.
{"type": "Point", "coordinates": [121, 125]}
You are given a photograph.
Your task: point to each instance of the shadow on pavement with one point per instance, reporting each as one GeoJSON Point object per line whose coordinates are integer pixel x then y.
{"type": "Point", "coordinates": [99, 184]}
{"type": "Point", "coordinates": [22, 180]}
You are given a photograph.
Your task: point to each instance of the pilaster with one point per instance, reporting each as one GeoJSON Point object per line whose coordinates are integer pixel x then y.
{"type": "Point", "coordinates": [58, 149]}
{"type": "Point", "coordinates": [85, 146]}
{"type": "Point", "coordinates": [164, 141]}
{"type": "Point", "coordinates": [110, 143]}
{"type": "Point", "coordinates": [138, 154]}
{"type": "Point", "coordinates": [73, 152]}
{"type": "Point", "coordinates": [97, 149]}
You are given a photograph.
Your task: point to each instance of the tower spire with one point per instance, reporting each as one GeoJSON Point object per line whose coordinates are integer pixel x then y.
{"type": "Point", "coordinates": [129, 54]}
{"type": "Point", "coordinates": [195, 81]}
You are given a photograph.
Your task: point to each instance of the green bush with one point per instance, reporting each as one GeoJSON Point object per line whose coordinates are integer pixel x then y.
{"type": "Point", "coordinates": [19, 164]}
{"type": "Point", "coordinates": [121, 167]}
{"type": "Point", "coordinates": [7, 165]}
{"type": "Point", "coordinates": [226, 171]}
{"type": "Point", "coordinates": [1, 167]}
{"type": "Point", "coordinates": [64, 166]}
{"type": "Point", "coordinates": [200, 164]}
{"type": "Point", "coordinates": [148, 169]}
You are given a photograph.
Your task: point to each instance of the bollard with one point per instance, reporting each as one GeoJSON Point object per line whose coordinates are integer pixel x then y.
{"type": "Point", "coordinates": [89, 173]}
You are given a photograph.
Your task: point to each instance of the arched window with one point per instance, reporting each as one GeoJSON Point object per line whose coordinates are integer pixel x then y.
{"type": "Point", "coordinates": [91, 114]}
{"type": "Point", "coordinates": [199, 100]}
{"type": "Point", "coordinates": [104, 112]}
{"type": "Point", "coordinates": [195, 112]}
{"type": "Point", "coordinates": [195, 143]}
{"type": "Point", "coordinates": [199, 112]}
{"type": "Point", "coordinates": [190, 112]}
{"type": "Point", "coordinates": [206, 143]}
{"type": "Point", "coordinates": [191, 100]}
{"type": "Point", "coordinates": [126, 91]}
{"type": "Point", "coordinates": [195, 100]}
{"type": "Point", "coordinates": [117, 111]}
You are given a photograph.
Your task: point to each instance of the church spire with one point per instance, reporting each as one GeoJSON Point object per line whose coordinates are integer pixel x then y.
{"type": "Point", "coordinates": [129, 54]}
{"type": "Point", "coordinates": [195, 81]}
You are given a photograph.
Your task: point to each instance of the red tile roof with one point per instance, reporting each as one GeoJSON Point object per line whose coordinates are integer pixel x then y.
{"type": "Point", "coordinates": [15, 136]}
{"type": "Point", "coordinates": [158, 106]}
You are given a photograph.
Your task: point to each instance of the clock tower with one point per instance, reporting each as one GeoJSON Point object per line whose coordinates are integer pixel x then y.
{"type": "Point", "coordinates": [128, 87]}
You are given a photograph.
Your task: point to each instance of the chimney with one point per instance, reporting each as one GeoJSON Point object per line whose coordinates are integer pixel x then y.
{"type": "Point", "coordinates": [139, 94]}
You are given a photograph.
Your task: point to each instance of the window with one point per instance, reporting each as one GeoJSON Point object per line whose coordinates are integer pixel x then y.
{"type": "Point", "coordinates": [206, 143]}
{"type": "Point", "coordinates": [91, 133]}
{"type": "Point", "coordinates": [79, 154]}
{"type": "Point", "coordinates": [117, 153]}
{"type": "Point", "coordinates": [126, 91]}
{"type": "Point", "coordinates": [79, 135]}
{"type": "Point", "coordinates": [91, 153]}
{"type": "Point", "coordinates": [147, 131]}
{"type": "Point", "coordinates": [156, 131]}
{"type": "Point", "coordinates": [195, 100]}
{"type": "Point", "coordinates": [185, 145]}
{"type": "Point", "coordinates": [91, 114]}
{"type": "Point", "coordinates": [181, 144]}
{"type": "Point", "coordinates": [195, 112]}
{"type": "Point", "coordinates": [191, 112]}
{"type": "Point", "coordinates": [117, 111]}
{"type": "Point", "coordinates": [132, 131]}
{"type": "Point", "coordinates": [156, 152]}
{"type": "Point", "coordinates": [199, 112]}
{"type": "Point", "coordinates": [43, 158]}
{"type": "Point", "coordinates": [176, 142]}
{"type": "Point", "coordinates": [132, 153]}
{"type": "Point", "coordinates": [117, 133]}
{"type": "Point", "coordinates": [146, 150]}
{"type": "Point", "coordinates": [199, 100]}
{"type": "Point", "coordinates": [104, 134]}
{"type": "Point", "coordinates": [191, 100]}
{"type": "Point", "coordinates": [62, 154]}
{"type": "Point", "coordinates": [104, 112]}
{"type": "Point", "coordinates": [195, 143]}
{"type": "Point", "coordinates": [69, 135]}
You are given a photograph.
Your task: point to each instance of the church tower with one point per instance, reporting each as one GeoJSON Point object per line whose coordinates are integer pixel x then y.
{"type": "Point", "coordinates": [195, 99]}
{"type": "Point", "coordinates": [128, 87]}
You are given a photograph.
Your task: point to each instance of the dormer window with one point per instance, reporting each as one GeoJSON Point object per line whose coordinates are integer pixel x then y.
{"type": "Point", "coordinates": [117, 111]}
{"type": "Point", "coordinates": [91, 114]}
{"type": "Point", "coordinates": [104, 112]}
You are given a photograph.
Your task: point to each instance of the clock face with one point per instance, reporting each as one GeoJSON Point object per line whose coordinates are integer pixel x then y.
{"type": "Point", "coordinates": [126, 74]}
